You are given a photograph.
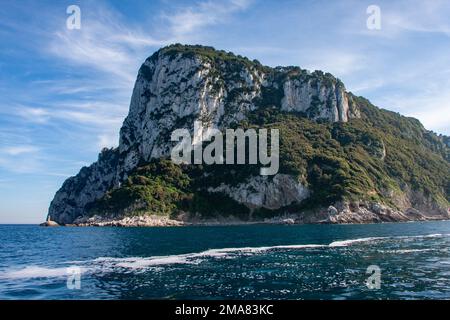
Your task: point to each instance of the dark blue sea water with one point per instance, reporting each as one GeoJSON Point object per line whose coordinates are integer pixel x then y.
{"type": "Point", "coordinates": [234, 262]}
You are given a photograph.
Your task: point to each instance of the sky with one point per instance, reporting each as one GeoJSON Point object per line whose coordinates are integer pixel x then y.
{"type": "Point", "coordinates": [65, 92]}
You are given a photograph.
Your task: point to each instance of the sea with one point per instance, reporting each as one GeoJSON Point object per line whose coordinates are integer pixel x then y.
{"type": "Point", "coordinates": [329, 262]}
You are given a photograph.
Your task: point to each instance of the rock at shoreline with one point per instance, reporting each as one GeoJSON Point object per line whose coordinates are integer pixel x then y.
{"type": "Point", "coordinates": [341, 213]}
{"type": "Point", "coordinates": [49, 223]}
{"type": "Point", "coordinates": [136, 221]}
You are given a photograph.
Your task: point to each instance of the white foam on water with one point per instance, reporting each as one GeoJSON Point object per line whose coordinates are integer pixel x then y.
{"type": "Point", "coordinates": [193, 258]}
{"type": "Point", "coordinates": [411, 250]}
{"type": "Point", "coordinates": [225, 251]}
{"type": "Point", "coordinates": [138, 263]}
{"type": "Point", "coordinates": [400, 251]}
{"type": "Point", "coordinates": [36, 272]}
{"type": "Point", "coordinates": [108, 264]}
{"type": "Point", "coordinates": [345, 243]}
{"type": "Point", "coordinates": [434, 235]}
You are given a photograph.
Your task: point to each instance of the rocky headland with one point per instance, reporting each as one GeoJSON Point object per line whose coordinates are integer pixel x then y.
{"type": "Point", "coordinates": [342, 160]}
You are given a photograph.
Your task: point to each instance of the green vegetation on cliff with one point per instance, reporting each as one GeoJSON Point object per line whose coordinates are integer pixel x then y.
{"type": "Point", "coordinates": [379, 157]}
{"type": "Point", "coordinates": [163, 188]}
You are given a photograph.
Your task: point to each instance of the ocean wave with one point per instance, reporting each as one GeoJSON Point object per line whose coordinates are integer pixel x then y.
{"type": "Point", "coordinates": [195, 258]}
{"type": "Point", "coordinates": [406, 250]}
{"type": "Point", "coordinates": [433, 235]}
{"type": "Point", "coordinates": [108, 264]}
{"type": "Point", "coordinates": [345, 243]}
{"type": "Point", "coordinates": [37, 272]}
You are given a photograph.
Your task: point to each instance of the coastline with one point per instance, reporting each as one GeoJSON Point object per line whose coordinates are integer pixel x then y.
{"type": "Point", "coordinates": [161, 221]}
{"type": "Point", "coordinates": [366, 214]}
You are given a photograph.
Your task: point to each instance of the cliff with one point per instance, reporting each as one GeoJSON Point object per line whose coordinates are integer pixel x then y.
{"type": "Point", "coordinates": [341, 158]}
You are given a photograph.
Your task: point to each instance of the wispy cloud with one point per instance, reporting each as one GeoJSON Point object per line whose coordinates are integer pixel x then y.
{"type": "Point", "coordinates": [111, 46]}
{"type": "Point", "coordinates": [339, 63]}
{"type": "Point", "coordinates": [189, 20]}
{"type": "Point", "coordinates": [400, 18]}
{"type": "Point", "coordinates": [21, 162]}
{"type": "Point", "coordinates": [20, 158]}
{"type": "Point", "coordinates": [108, 140]}
{"type": "Point", "coordinates": [432, 109]}
{"type": "Point", "coordinates": [36, 115]}
{"type": "Point", "coordinates": [95, 47]}
{"type": "Point", "coordinates": [82, 113]}
{"type": "Point", "coordinates": [101, 59]}
{"type": "Point", "coordinates": [18, 150]}
{"type": "Point", "coordinates": [111, 51]}
{"type": "Point", "coordinates": [420, 16]}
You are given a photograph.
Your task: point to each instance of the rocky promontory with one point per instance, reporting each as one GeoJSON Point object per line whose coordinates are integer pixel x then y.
{"type": "Point", "coordinates": [342, 160]}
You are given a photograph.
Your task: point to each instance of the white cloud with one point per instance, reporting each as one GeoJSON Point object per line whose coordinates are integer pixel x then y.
{"type": "Point", "coordinates": [108, 140]}
{"type": "Point", "coordinates": [36, 115]}
{"type": "Point", "coordinates": [102, 59]}
{"type": "Point", "coordinates": [99, 114]}
{"type": "Point", "coordinates": [421, 16]}
{"type": "Point", "coordinates": [339, 63]}
{"type": "Point", "coordinates": [404, 16]}
{"type": "Point", "coordinates": [112, 50]}
{"type": "Point", "coordinates": [90, 49]}
{"type": "Point", "coordinates": [431, 109]}
{"type": "Point", "coordinates": [110, 46]}
{"type": "Point", "coordinates": [20, 161]}
{"type": "Point", "coordinates": [138, 40]}
{"type": "Point", "coordinates": [207, 13]}
{"type": "Point", "coordinates": [328, 59]}
{"type": "Point", "coordinates": [18, 150]}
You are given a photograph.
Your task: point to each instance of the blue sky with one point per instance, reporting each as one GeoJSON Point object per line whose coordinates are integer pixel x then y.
{"type": "Point", "coordinates": [64, 93]}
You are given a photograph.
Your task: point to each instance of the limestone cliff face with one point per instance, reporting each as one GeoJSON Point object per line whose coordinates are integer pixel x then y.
{"type": "Point", "coordinates": [263, 192]}
{"type": "Point", "coordinates": [318, 99]}
{"type": "Point", "coordinates": [176, 87]}
{"type": "Point", "coordinates": [173, 90]}
{"type": "Point", "coordinates": [88, 185]}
